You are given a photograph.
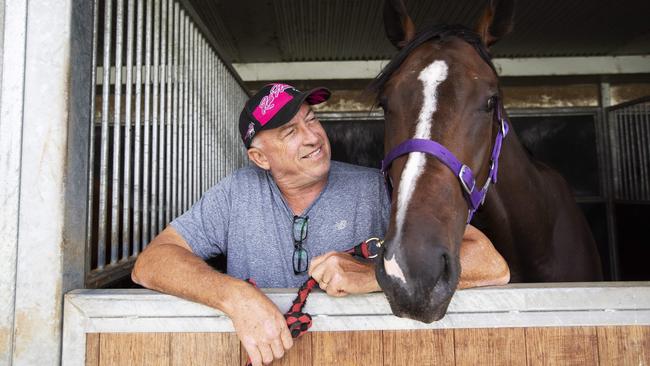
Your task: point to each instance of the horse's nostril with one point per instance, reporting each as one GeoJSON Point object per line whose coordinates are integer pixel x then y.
{"type": "Point", "coordinates": [446, 269]}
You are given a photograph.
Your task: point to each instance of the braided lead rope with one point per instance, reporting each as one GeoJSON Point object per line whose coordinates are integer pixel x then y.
{"type": "Point", "coordinates": [297, 320]}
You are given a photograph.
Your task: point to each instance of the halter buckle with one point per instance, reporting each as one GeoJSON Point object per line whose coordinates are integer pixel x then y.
{"type": "Point", "coordinates": [462, 180]}
{"type": "Point", "coordinates": [377, 246]}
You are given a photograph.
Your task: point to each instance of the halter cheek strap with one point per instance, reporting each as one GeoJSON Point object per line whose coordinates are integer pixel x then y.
{"type": "Point", "coordinates": [474, 197]}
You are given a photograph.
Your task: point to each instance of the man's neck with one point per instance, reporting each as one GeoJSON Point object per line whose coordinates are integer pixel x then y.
{"type": "Point", "coordinates": [299, 198]}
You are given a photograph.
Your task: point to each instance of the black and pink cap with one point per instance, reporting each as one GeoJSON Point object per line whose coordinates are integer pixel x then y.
{"type": "Point", "coordinates": [274, 105]}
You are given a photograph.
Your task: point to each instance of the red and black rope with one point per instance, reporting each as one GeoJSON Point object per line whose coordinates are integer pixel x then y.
{"type": "Point", "coordinates": [297, 320]}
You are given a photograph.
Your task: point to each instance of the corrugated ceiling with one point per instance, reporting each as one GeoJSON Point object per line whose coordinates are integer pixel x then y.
{"type": "Point", "coordinates": [323, 30]}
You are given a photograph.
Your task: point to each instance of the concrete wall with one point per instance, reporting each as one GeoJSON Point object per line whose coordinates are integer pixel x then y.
{"type": "Point", "coordinates": [521, 96]}
{"type": "Point", "coordinates": [34, 107]}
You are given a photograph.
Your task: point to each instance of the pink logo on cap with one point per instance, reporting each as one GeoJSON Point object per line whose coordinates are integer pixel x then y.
{"type": "Point", "coordinates": [251, 131]}
{"type": "Point", "coordinates": [272, 103]}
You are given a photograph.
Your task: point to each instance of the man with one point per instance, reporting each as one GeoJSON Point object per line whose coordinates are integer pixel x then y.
{"type": "Point", "coordinates": [291, 206]}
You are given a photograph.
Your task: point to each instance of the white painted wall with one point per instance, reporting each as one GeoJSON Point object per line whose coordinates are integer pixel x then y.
{"type": "Point", "coordinates": [11, 118]}
{"type": "Point", "coordinates": [33, 137]}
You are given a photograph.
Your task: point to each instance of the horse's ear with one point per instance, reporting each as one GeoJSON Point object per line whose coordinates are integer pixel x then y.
{"type": "Point", "coordinates": [497, 20]}
{"type": "Point", "coordinates": [399, 27]}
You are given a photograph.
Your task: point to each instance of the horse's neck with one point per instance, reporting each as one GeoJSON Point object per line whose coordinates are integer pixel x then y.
{"type": "Point", "coordinates": [515, 205]}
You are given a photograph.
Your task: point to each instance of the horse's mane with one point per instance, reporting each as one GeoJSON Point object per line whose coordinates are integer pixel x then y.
{"type": "Point", "coordinates": [434, 32]}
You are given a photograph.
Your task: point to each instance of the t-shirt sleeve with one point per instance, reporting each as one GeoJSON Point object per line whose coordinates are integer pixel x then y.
{"type": "Point", "coordinates": [205, 225]}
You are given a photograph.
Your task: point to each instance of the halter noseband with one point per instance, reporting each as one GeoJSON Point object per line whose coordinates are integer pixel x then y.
{"type": "Point", "coordinates": [474, 197]}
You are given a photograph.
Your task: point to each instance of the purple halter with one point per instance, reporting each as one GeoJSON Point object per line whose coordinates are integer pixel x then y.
{"type": "Point", "coordinates": [475, 197]}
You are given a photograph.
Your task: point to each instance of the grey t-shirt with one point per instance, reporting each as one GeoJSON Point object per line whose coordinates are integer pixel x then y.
{"type": "Point", "coordinates": [246, 218]}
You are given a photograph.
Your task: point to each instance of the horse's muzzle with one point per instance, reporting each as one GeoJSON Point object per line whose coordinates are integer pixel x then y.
{"type": "Point", "coordinates": [429, 280]}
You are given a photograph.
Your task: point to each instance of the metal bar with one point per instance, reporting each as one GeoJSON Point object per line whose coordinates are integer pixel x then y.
{"type": "Point", "coordinates": [638, 158]}
{"type": "Point", "coordinates": [162, 118]}
{"type": "Point", "coordinates": [147, 130]}
{"type": "Point", "coordinates": [137, 212]}
{"type": "Point", "coordinates": [117, 125]}
{"type": "Point", "coordinates": [201, 142]}
{"type": "Point", "coordinates": [103, 164]}
{"type": "Point", "coordinates": [205, 92]}
{"type": "Point", "coordinates": [186, 114]}
{"type": "Point", "coordinates": [126, 205]}
{"type": "Point", "coordinates": [153, 224]}
{"type": "Point", "coordinates": [91, 148]}
{"type": "Point", "coordinates": [209, 125]}
{"type": "Point", "coordinates": [195, 119]}
{"type": "Point", "coordinates": [177, 43]}
{"type": "Point", "coordinates": [621, 155]}
{"type": "Point", "coordinates": [645, 154]}
{"type": "Point", "coordinates": [221, 131]}
{"type": "Point", "coordinates": [631, 178]}
{"type": "Point", "coordinates": [215, 122]}
{"type": "Point", "coordinates": [190, 118]}
{"type": "Point", "coordinates": [182, 119]}
{"type": "Point", "coordinates": [634, 146]}
{"type": "Point", "coordinates": [170, 86]}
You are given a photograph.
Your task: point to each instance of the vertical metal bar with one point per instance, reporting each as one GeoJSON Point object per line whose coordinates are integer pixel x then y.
{"type": "Point", "coordinates": [645, 142]}
{"type": "Point", "coordinates": [622, 155]}
{"type": "Point", "coordinates": [203, 119]}
{"type": "Point", "coordinates": [137, 226]}
{"type": "Point", "coordinates": [186, 111]}
{"type": "Point", "coordinates": [190, 177]}
{"type": "Point", "coordinates": [633, 153]}
{"type": "Point", "coordinates": [170, 86]}
{"type": "Point", "coordinates": [190, 120]}
{"type": "Point", "coordinates": [153, 224]}
{"type": "Point", "coordinates": [103, 160]}
{"type": "Point", "coordinates": [631, 175]}
{"type": "Point", "coordinates": [615, 150]}
{"type": "Point", "coordinates": [200, 115]}
{"type": "Point", "coordinates": [642, 142]}
{"type": "Point", "coordinates": [220, 130]}
{"type": "Point", "coordinates": [117, 125]}
{"type": "Point", "coordinates": [636, 148]}
{"type": "Point", "coordinates": [126, 204]}
{"type": "Point", "coordinates": [177, 43]}
{"type": "Point", "coordinates": [163, 118]}
{"type": "Point", "coordinates": [195, 120]}
{"type": "Point", "coordinates": [214, 86]}
{"type": "Point", "coordinates": [91, 149]}
{"type": "Point", "coordinates": [182, 118]}
{"type": "Point", "coordinates": [147, 128]}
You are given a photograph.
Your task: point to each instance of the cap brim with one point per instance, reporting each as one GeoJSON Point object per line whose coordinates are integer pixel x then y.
{"type": "Point", "coordinates": [317, 95]}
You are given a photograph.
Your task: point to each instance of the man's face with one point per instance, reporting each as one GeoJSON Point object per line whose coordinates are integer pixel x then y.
{"type": "Point", "coordinates": [299, 151]}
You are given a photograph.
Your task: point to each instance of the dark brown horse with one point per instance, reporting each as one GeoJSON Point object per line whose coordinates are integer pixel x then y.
{"type": "Point", "coordinates": [442, 86]}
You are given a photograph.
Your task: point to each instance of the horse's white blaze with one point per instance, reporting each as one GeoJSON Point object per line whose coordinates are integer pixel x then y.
{"type": "Point", "coordinates": [392, 269]}
{"type": "Point", "coordinates": [431, 76]}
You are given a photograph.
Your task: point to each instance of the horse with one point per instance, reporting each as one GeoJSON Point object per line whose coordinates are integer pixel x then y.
{"type": "Point", "coordinates": [447, 140]}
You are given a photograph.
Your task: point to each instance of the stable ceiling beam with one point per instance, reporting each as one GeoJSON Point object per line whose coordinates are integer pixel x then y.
{"type": "Point", "coordinates": [547, 66]}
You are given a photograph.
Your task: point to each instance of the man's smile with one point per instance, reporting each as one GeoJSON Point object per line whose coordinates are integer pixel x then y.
{"type": "Point", "coordinates": [314, 154]}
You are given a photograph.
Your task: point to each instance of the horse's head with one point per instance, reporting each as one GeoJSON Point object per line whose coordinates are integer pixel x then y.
{"type": "Point", "coordinates": [441, 86]}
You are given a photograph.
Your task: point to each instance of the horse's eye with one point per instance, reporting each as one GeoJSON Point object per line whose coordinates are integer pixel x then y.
{"type": "Point", "coordinates": [383, 102]}
{"type": "Point", "coordinates": [491, 102]}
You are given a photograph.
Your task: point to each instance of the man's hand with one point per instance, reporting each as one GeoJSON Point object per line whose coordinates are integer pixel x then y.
{"type": "Point", "coordinates": [339, 274]}
{"type": "Point", "coordinates": [260, 326]}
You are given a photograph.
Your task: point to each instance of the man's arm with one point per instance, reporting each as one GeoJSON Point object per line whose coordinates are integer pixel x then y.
{"type": "Point", "coordinates": [168, 265]}
{"type": "Point", "coordinates": [340, 274]}
{"type": "Point", "coordinates": [480, 263]}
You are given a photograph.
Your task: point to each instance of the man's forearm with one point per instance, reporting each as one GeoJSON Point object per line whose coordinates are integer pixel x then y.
{"type": "Point", "coordinates": [171, 269]}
